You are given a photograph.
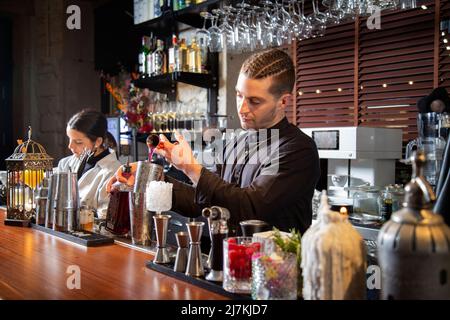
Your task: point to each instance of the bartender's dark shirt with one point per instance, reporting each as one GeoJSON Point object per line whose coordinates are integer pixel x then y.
{"type": "Point", "coordinates": [276, 188]}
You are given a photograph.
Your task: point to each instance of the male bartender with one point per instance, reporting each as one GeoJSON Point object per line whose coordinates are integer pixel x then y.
{"type": "Point", "coordinates": [269, 171]}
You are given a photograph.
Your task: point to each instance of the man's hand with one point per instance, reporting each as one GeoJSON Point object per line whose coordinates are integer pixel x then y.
{"type": "Point", "coordinates": [180, 155]}
{"type": "Point", "coordinates": [118, 176]}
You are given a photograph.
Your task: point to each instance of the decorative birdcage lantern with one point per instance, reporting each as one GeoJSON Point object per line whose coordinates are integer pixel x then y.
{"type": "Point", "coordinates": [26, 168]}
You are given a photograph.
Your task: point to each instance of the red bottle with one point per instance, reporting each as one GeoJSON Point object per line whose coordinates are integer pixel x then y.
{"type": "Point", "coordinates": [118, 214]}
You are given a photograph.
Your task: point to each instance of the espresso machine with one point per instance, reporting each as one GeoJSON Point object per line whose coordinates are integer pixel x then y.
{"type": "Point", "coordinates": [357, 157]}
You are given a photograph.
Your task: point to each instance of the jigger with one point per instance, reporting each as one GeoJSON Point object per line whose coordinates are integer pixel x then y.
{"type": "Point", "coordinates": [195, 266]}
{"type": "Point", "coordinates": [161, 225]}
{"type": "Point", "coordinates": [182, 251]}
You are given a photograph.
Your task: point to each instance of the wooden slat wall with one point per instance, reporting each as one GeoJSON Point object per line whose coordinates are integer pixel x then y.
{"type": "Point", "coordinates": [326, 64]}
{"type": "Point", "coordinates": [444, 54]}
{"type": "Point", "coordinates": [400, 52]}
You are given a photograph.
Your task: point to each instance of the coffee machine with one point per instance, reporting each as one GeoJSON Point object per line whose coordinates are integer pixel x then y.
{"type": "Point", "coordinates": [433, 129]}
{"type": "Point", "coordinates": [358, 158]}
{"type": "Point", "coordinates": [363, 154]}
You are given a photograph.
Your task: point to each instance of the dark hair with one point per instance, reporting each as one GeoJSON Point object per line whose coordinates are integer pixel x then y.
{"type": "Point", "coordinates": [439, 93]}
{"type": "Point", "coordinates": [271, 63]}
{"type": "Point", "coordinates": [90, 122]}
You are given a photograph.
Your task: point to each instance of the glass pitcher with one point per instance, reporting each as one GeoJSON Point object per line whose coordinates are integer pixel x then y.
{"type": "Point", "coordinates": [433, 132]}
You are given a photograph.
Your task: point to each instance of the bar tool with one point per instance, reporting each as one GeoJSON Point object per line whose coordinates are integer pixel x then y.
{"type": "Point", "coordinates": [49, 211]}
{"type": "Point", "coordinates": [161, 225]}
{"type": "Point", "coordinates": [195, 266]}
{"type": "Point", "coordinates": [41, 201]}
{"type": "Point", "coordinates": [60, 216]}
{"type": "Point", "coordinates": [182, 251]}
{"type": "Point", "coordinates": [218, 231]}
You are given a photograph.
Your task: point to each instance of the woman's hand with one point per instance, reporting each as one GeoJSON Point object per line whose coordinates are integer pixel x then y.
{"type": "Point", "coordinates": [119, 176]}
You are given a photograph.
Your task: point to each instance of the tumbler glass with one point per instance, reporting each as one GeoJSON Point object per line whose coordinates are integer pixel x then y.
{"type": "Point", "coordinates": [237, 263]}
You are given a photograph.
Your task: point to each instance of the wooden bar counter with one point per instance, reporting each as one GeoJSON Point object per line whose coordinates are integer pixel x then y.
{"type": "Point", "coordinates": [33, 265]}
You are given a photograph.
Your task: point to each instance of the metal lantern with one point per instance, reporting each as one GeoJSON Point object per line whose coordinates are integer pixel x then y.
{"type": "Point", "coordinates": [26, 168]}
{"type": "Point", "coordinates": [414, 245]}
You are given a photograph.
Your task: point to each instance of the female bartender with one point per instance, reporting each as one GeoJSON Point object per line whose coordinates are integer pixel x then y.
{"type": "Point", "coordinates": [91, 158]}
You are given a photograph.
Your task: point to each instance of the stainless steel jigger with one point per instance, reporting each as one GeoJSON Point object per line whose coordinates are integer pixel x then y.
{"type": "Point", "coordinates": [218, 231]}
{"type": "Point", "coordinates": [161, 224]}
{"type": "Point", "coordinates": [182, 251]}
{"type": "Point", "coordinates": [195, 265]}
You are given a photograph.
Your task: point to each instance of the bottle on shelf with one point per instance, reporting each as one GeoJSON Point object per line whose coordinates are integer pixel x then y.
{"type": "Point", "coordinates": [157, 12]}
{"type": "Point", "coordinates": [183, 56]}
{"type": "Point", "coordinates": [145, 50]}
{"type": "Point", "coordinates": [203, 56]}
{"type": "Point", "coordinates": [174, 64]}
{"type": "Point", "coordinates": [159, 59]}
{"type": "Point", "coordinates": [180, 4]}
{"type": "Point", "coordinates": [195, 60]}
{"type": "Point", "coordinates": [150, 56]}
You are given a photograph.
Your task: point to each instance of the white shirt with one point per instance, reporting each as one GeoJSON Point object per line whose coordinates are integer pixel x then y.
{"type": "Point", "coordinates": [92, 184]}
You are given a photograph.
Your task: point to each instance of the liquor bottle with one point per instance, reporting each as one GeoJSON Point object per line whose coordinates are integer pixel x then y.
{"type": "Point", "coordinates": [157, 9]}
{"type": "Point", "coordinates": [173, 55]}
{"type": "Point", "coordinates": [150, 58]}
{"type": "Point", "coordinates": [159, 58]}
{"type": "Point", "coordinates": [181, 4]}
{"type": "Point", "coordinates": [194, 57]}
{"type": "Point", "coordinates": [183, 54]}
{"type": "Point", "coordinates": [145, 50]}
{"type": "Point", "coordinates": [203, 56]}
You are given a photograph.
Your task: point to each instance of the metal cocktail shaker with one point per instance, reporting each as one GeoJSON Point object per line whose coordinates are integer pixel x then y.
{"type": "Point", "coordinates": [140, 217]}
{"type": "Point", "coordinates": [41, 201]}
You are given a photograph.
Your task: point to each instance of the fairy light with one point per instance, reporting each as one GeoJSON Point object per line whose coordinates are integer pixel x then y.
{"type": "Point", "coordinates": [424, 7]}
{"type": "Point", "coordinates": [339, 89]}
{"type": "Point", "coordinates": [445, 40]}
{"type": "Point", "coordinates": [362, 87]}
{"type": "Point", "coordinates": [447, 47]}
{"type": "Point", "coordinates": [411, 83]}
{"type": "Point", "coordinates": [318, 91]}
{"type": "Point", "coordinates": [300, 93]}
{"type": "Point", "coordinates": [385, 85]}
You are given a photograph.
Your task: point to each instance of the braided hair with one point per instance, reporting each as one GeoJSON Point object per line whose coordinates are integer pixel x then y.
{"type": "Point", "coordinates": [271, 63]}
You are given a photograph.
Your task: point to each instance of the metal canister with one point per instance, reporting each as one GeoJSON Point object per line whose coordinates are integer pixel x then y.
{"type": "Point", "coordinates": [41, 201]}
{"type": "Point", "coordinates": [414, 245]}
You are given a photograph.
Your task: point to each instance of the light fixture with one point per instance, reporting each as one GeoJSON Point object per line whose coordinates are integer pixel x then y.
{"type": "Point", "coordinates": [339, 89]}
{"type": "Point", "coordinates": [411, 82]}
{"type": "Point", "coordinates": [300, 93]}
{"type": "Point", "coordinates": [361, 87]}
{"type": "Point", "coordinates": [384, 85]}
{"type": "Point", "coordinates": [447, 47]}
{"type": "Point", "coordinates": [442, 33]}
{"type": "Point", "coordinates": [445, 40]}
{"type": "Point", "coordinates": [318, 91]}
{"type": "Point", "coordinates": [424, 7]}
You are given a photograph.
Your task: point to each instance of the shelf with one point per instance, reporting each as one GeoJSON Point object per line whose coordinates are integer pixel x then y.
{"type": "Point", "coordinates": [190, 15]}
{"type": "Point", "coordinates": [166, 24]}
{"type": "Point", "coordinates": [165, 83]}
